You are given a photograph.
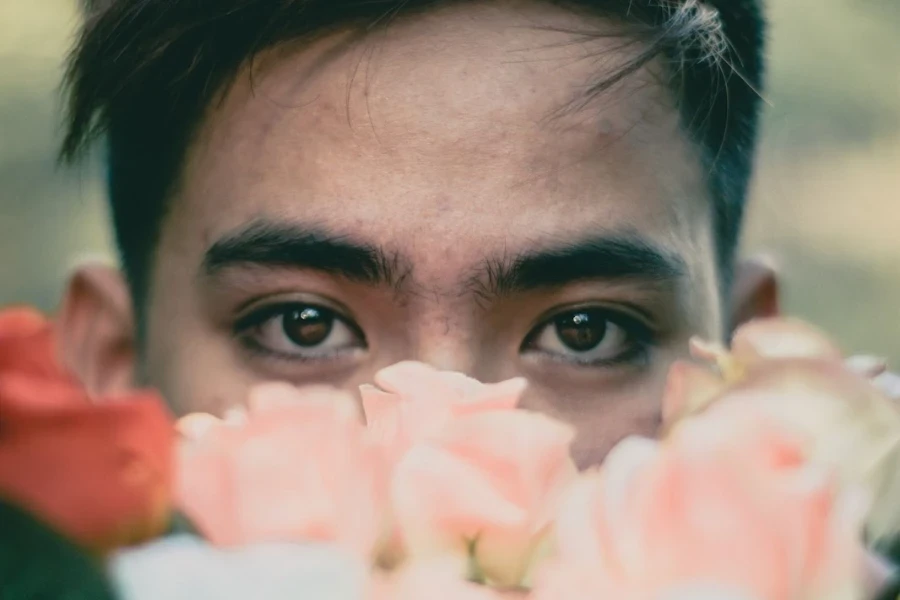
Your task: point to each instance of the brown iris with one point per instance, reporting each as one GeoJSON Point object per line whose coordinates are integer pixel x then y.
{"type": "Point", "coordinates": [581, 331]}
{"type": "Point", "coordinates": [308, 326]}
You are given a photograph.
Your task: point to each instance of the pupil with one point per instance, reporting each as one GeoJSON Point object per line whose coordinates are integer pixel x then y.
{"type": "Point", "coordinates": [581, 331]}
{"type": "Point", "coordinates": [307, 326]}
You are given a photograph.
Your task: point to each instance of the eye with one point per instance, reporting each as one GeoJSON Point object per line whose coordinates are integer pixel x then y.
{"type": "Point", "coordinates": [591, 337]}
{"type": "Point", "coordinates": [299, 331]}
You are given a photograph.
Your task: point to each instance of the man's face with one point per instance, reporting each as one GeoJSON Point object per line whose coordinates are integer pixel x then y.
{"type": "Point", "coordinates": [428, 193]}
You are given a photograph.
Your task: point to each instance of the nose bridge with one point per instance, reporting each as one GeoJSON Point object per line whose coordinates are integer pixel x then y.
{"type": "Point", "coordinates": [443, 332]}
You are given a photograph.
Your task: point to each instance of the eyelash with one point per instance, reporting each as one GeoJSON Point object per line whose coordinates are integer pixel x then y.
{"type": "Point", "coordinates": [256, 318]}
{"type": "Point", "coordinates": [642, 337]}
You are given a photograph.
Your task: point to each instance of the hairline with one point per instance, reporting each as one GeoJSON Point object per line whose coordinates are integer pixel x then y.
{"type": "Point", "coordinates": [182, 141]}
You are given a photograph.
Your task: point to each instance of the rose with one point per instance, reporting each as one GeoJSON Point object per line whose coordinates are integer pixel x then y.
{"type": "Point", "coordinates": [472, 477]}
{"type": "Point", "coordinates": [414, 401]}
{"type": "Point", "coordinates": [297, 467]}
{"type": "Point", "coordinates": [98, 470]}
{"type": "Point", "coordinates": [486, 486]}
{"type": "Point", "coordinates": [727, 504]}
{"type": "Point", "coordinates": [796, 375]}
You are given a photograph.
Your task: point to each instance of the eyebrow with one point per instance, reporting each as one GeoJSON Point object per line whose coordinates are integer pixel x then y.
{"type": "Point", "coordinates": [606, 257]}
{"type": "Point", "coordinates": [619, 257]}
{"type": "Point", "coordinates": [271, 244]}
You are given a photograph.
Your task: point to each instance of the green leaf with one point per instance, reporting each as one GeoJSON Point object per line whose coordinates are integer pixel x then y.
{"type": "Point", "coordinates": [179, 524]}
{"type": "Point", "coordinates": [890, 550]}
{"type": "Point", "coordinates": [36, 563]}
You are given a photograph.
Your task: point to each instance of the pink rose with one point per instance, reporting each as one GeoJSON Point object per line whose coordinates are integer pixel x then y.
{"type": "Point", "coordinates": [795, 375]}
{"type": "Point", "coordinates": [727, 505]}
{"type": "Point", "coordinates": [844, 423]}
{"type": "Point", "coordinates": [297, 467]}
{"type": "Point", "coordinates": [414, 401]}
{"type": "Point", "coordinates": [692, 387]}
{"type": "Point", "coordinates": [765, 340]}
{"type": "Point", "coordinates": [472, 476]}
{"type": "Point", "coordinates": [769, 339]}
{"type": "Point", "coordinates": [486, 486]}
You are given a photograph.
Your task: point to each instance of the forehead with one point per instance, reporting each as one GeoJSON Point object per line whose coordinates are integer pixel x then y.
{"type": "Point", "coordinates": [445, 135]}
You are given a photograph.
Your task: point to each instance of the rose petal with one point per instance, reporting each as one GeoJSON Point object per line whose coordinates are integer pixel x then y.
{"type": "Point", "coordinates": [661, 519]}
{"type": "Point", "coordinates": [444, 503]}
{"type": "Point", "coordinates": [298, 469]}
{"type": "Point", "coordinates": [417, 401]}
{"type": "Point", "coordinates": [495, 478]}
{"type": "Point", "coordinates": [418, 382]}
{"type": "Point", "coordinates": [100, 474]}
{"type": "Point", "coordinates": [867, 366]}
{"type": "Point", "coordinates": [495, 396]}
{"type": "Point", "coordinates": [782, 338]}
{"type": "Point", "coordinates": [526, 455]}
{"type": "Point", "coordinates": [197, 425]}
{"type": "Point", "coordinates": [689, 388]}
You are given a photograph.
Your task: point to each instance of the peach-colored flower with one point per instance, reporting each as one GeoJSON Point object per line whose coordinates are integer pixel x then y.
{"type": "Point", "coordinates": [414, 401]}
{"type": "Point", "coordinates": [765, 340]}
{"type": "Point", "coordinates": [691, 387]}
{"type": "Point", "coordinates": [845, 423]}
{"type": "Point", "coordinates": [794, 374]}
{"type": "Point", "coordinates": [487, 485]}
{"type": "Point", "coordinates": [298, 468]}
{"type": "Point", "coordinates": [559, 579]}
{"type": "Point", "coordinates": [725, 504]}
{"type": "Point", "coordinates": [775, 338]}
{"type": "Point", "coordinates": [97, 470]}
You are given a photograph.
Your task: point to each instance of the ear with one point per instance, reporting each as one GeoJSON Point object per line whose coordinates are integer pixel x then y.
{"type": "Point", "coordinates": [755, 291]}
{"type": "Point", "coordinates": [96, 326]}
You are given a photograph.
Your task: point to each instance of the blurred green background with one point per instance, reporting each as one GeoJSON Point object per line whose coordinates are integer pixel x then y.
{"type": "Point", "coordinates": [826, 200]}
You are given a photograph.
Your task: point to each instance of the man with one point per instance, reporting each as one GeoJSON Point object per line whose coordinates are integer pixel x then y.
{"type": "Point", "coordinates": [312, 190]}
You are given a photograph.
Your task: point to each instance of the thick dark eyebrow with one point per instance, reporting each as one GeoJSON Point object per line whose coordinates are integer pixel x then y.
{"type": "Point", "coordinates": [610, 258]}
{"type": "Point", "coordinates": [271, 244]}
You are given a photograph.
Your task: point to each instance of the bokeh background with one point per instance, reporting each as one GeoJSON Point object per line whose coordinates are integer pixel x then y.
{"type": "Point", "coordinates": [826, 200]}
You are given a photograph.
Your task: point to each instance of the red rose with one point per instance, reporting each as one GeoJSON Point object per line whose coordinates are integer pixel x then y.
{"type": "Point", "coordinates": [97, 470]}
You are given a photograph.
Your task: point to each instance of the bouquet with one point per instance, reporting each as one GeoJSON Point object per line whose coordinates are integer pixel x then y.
{"type": "Point", "coordinates": [776, 466]}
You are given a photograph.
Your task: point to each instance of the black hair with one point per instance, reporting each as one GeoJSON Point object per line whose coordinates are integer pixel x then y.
{"type": "Point", "coordinates": [143, 71]}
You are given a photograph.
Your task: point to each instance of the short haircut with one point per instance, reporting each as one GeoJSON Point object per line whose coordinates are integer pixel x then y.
{"type": "Point", "coordinates": [143, 72]}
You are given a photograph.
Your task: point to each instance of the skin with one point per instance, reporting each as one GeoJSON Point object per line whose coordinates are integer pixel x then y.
{"type": "Point", "coordinates": [443, 147]}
